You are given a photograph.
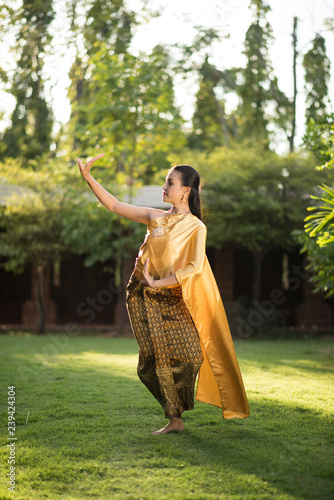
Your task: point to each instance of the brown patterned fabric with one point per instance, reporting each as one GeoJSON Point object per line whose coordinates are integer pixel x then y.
{"type": "Point", "coordinates": [170, 354]}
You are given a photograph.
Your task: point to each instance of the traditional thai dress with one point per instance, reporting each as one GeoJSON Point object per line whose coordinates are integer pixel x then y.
{"type": "Point", "coordinates": [182, 329]}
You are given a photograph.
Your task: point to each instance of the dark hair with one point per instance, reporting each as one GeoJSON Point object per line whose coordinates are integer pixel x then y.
{"type": "Point", "coordinates": [190, 178]}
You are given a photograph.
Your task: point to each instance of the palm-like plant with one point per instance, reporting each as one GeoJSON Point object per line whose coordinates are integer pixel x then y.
{"type": "Point", "coordinates": [321, 223]}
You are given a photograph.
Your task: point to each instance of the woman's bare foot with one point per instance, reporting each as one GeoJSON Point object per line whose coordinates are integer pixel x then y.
{"type": "Point", "coordinates": [175, 425]}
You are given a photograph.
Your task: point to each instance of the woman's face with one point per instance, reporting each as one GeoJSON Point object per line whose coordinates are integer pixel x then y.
{"type": "Point", "coordinates": [172, 190]}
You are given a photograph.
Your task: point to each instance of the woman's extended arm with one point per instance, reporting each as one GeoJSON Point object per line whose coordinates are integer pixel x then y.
{"type": "Point", "coordinates": [137, 214]}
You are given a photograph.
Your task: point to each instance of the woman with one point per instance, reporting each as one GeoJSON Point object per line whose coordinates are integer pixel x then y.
{"type": "Point", "coordinates": [174, 305]}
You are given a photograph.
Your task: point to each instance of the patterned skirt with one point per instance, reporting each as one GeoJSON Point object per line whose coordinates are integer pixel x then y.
{"type": "Point", "coordinates": [170, 354]}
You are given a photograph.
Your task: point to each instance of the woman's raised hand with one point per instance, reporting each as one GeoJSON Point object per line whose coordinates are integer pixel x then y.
{"type": "Point", "coordinates": [85, 168]}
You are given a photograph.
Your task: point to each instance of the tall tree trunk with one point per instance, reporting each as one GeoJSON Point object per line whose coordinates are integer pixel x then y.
{"type": "Point", "coordinates": [41, 271]}
{"type": "Point", "coordinates": [294, 100]}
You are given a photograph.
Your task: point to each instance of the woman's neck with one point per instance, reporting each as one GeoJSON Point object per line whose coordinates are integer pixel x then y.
{"type": "Point", "coordinates": [181, 210]}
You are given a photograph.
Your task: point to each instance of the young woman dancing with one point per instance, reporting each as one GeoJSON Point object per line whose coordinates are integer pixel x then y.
{"type": "Point", "coordinates": [174, 305]}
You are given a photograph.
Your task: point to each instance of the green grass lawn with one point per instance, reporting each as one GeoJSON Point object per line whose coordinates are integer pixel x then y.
{"type": "Point", "coordinates": [84, 425]}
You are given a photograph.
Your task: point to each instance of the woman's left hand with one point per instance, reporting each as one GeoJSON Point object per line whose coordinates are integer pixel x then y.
{"type": "Point", "coordinates": [148, 278]}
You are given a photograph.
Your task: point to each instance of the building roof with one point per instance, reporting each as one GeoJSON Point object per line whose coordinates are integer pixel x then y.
{"type": "Point", "coordinates": [147, 196]}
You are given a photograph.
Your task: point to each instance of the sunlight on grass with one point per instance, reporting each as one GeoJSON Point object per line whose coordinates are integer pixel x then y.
{"type": "Point", "coordinates": [306, 377]}
{"type": "Point", "coordinates": [127, 363]}
{"type": "Point", "coordinates": [85, 422]}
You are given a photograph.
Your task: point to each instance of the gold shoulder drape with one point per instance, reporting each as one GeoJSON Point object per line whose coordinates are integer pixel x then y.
{"type": "Point", "coordinates": [176, 245]}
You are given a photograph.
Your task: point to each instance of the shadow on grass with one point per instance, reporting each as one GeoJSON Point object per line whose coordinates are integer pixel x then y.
{"type": "Point", "coordinates": [81, 414]}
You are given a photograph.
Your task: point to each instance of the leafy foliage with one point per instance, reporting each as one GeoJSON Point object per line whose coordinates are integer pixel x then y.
{"type": "Point", "coordinates": [123, 103]}
{"type": "Point", "coordinates": [259, 88]}
{"type": "Point", "coordinates": [317, 74]}
{"type": "Point", "coordinates": [109, 22]}
{"type": "Point", "coordinates": [50, 215]}
{"type": "Point", "coordinates": [320, 263]}
{"type": "Point", "coordinates": [318, 242]}
{"type": "Point", "coordinates": [212, 127]}
{"type": "Point", "coordinates": [319, 139]}
{"type": "Point", "coordinates": [31, 219]}
{"type": "Point", "coordinates": [261, 106]}
{"type": "Point", "coordinates": [29, 134]}
{"type": "Point", "coordinates": [132, 116]}
{"type": "Point", "coordinates": [256, 199]}
{"type": "Point", "coordinates": [321, 224]}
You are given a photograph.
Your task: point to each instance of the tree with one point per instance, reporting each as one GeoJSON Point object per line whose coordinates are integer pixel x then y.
{"type": "Point", "coordinates": [31, 224]}
{"type": "Point", "coordinates": [107, 23]}
{"type": "Point", "coordinates": [292, 133]}
{"type": "Point", "coordinates": [256, 77]}
{"type": "Point", "coordinates": [259, 87]}
{"type": "Point", "coordinates": [211, 127]}
{"type": "Point", "coordinates": [133, 116]}
{"type": "Point", "coordinates": [317, 74]}
{"type": "Point", "coordinates": [262, 105]}
{"type": "Point", "coordinates": [121, 102]}
{"type": "Point", "coordinates": [29, 134]}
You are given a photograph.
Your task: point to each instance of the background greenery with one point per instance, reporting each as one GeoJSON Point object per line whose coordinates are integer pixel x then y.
{"type": "Point", "coordinates": [124, 104]}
